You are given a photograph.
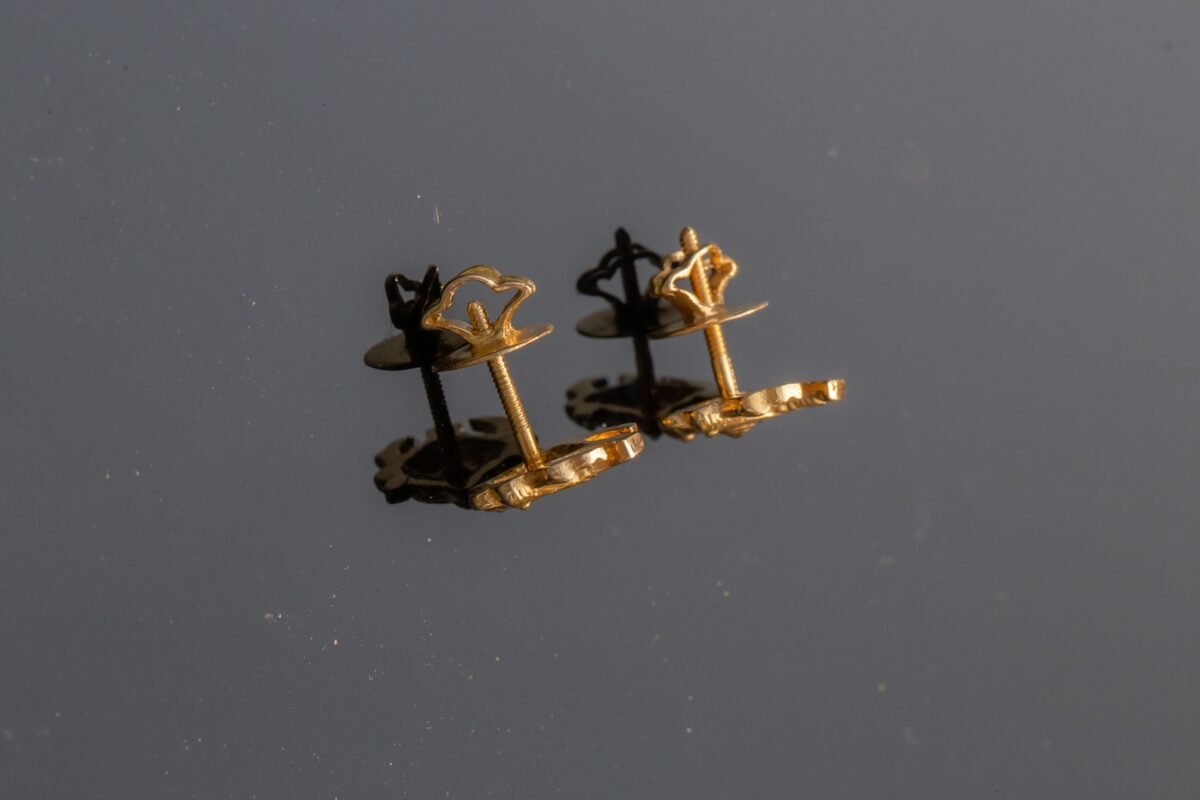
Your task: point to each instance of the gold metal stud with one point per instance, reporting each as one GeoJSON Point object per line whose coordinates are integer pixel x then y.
{"type": "Point", "coordinates": [542, 472]}
{"type": "Point", "coordinates": [452, 459]}
{"type": "Point", "coordinates": [702, 308]}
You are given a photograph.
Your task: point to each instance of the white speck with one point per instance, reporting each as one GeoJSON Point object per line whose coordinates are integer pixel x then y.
{"type": "Point", "coordinates": [833, 152]}
{"type": "Point", "coordinates": [881, 687]}
{"type": "Point", "coordinates": [335, 642]}
{"type": "Point", "coordinates": [687, 730]}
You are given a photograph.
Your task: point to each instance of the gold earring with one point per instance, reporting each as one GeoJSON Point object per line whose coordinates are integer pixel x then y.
{"type": "Point", "coordinates": [642, 398]}
{"type": "Point", "coordinates": [453, 459]}
{"type": "Point", "coordinates": [702, 308]}
{"type": "Point", "coordinates": [542, 472]}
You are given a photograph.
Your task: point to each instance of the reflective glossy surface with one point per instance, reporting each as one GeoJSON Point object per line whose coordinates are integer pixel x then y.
{"type": "Point", "coordinates": [973, 577]}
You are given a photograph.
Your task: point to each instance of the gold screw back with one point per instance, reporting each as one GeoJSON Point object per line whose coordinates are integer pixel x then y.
{"type": "Point", "coordinates": [542, 472]}
{"type": "Point", "coordinates": [718, 353]}
{"type": "Point", "coordinates": [514, 409]}
{"type": "Point", "coordinates": [733, 412]}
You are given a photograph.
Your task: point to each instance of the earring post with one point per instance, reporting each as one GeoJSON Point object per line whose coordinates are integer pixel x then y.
{"type": "Point", "coordinates": [718, 353]}
{"type": "Point", "coordinates": [514, 409]}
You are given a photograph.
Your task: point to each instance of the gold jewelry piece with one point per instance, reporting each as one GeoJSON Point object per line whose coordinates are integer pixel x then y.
{"type": "Point", "coordinates": [642, 398]}
{"type": "Point", "coordinates": [708, 270]}
{"type": "Point", "coordinates": [487, 341]}
{"type": "Point", "coordinates": [453, 459]}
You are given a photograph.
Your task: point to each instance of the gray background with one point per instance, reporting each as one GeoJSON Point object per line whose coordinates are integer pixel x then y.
{"type": "Point", "coordinates": [975, 577]}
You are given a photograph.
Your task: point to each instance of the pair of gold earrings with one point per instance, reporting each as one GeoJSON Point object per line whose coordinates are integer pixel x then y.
{"type": "Point", "coordinates": [498, 464]}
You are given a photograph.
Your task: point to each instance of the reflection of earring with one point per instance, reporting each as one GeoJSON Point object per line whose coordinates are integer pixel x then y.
{"type": "Point", "coordinates": [702, 308]}
{"type": "Point", "coordinates": [447, 466]}
{"type": "Point", "coordinates": [488, 341]}
{"type": "Point", "coordinates": [593, 402]}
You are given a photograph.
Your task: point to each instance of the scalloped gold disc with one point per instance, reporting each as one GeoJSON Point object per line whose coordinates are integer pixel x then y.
{"type": "Point", "coordinates": [565, 465]}
{"type": "Point", "coordinates": [734, 416]}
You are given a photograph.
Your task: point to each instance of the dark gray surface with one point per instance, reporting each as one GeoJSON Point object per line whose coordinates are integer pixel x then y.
{"type": "Point", "coordinates": [976, 577]}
